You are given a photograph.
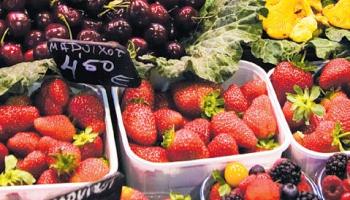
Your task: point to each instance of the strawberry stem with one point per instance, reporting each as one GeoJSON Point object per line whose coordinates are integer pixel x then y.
{"type": "Point", "coordinates": [168, 138]}
{"type": "Point", "coordinates": [13, 176]}
{"type": "Point", "coordinates": [84, 137]}
{"type": "Point", "coordinates": [212, 104]}
{"type": "Point", "coordinates": [65, 163]}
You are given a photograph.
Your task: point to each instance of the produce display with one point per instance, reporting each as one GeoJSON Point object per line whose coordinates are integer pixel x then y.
{"type": "Point", "coordinates": [284, 180]}
{"type": "Point", "coordinates": [133, 194]}
{"type": "Point", "coordinates": [53, 135]}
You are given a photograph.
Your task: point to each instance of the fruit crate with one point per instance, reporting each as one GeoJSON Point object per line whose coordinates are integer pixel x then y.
{"type": "Point", "coordinates": [187, 176]}
{"type": "Point", "coordinates": [41, 192]}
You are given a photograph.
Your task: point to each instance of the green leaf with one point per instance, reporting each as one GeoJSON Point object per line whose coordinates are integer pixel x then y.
{"type": "Point", "coordinates": [315, 93]}
{"type": "Point", "coordinates": [318, 110]}
{"type": "Point", "coordinates": [84, 137]}
{"type": "Point", "coordinates": [326, 49]}
{"type": "Point", "coordinates": [224, 190]}
{"type": "Point", "coordinates": [12, 176]}
{"type": "Point", "coordinates": [217, 177]}
{"type": "Point", "coordinates": [337, 35]}
{"type": "Point", "coordinates": [10, 162]}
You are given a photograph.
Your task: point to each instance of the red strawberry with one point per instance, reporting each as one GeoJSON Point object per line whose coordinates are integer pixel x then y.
{"type": "Point", "coordinates": [14, 119]}
{"type": "Point", "coordinates": [262, 189]}
{"type": "Point", "coordinates": [162, 100]}
{"type": "Point", "coordinates": [140, 124]}
{"type": "Point", "coordinates": [228, 122]}
{"type": "Point", "coordinates": [285, 76]}
{"type": "Point", "coordinates": [144, 93]}
{"type": "Point", "coordinates": [315, 121]}
{"type": "Point", "coordinates": [53, 97]}
{"type": "Point", "coordinates": [235, 100]}
{"type": "Point", "coordinates": [194, 98]}
{"type": "Point", "coordinates": [132, 194]}
{"type": "Point", "coordinates": [152, 154]}
{"type": "Point", "coordinates": [184, 145]}
{"type": "Point", "coordinates": [303, 185]}
{"type": "Point", "coordinates": [332, 187]}
{"type": "Point", "coordinates": [23, 143]}
{"type": "Point", "coordinates": [260, 118]}
{"type": "Point", "coordinates": [214, 192]}
{"type": "Point", "coordinates": [56, 126]}
{"type": "Point", "coordinates": [34, 163]}
{"type": "Point", "coordinates": [49, 176]}
{"type": "Point", "coordinates": [253, 89]}
{"type": "Point", "coordinates": [250, 179]}
{"type": "Point", "coordinates": [168, 119]}
{"type": "Point", "coordinates": [335, 73]}
{"type": "Point", "coordinates": [339, 110]}
{"type": "Point", "coordinates": [223, 145]}
{"type": "Point", "coordinates": [21, 100]}
{"type": "Point", "coordinates": [88, 110]}
{"type": "Point", "coordinates": [3, 153]}
{"type": "Point", "coordinates": [326, 102]}
{"type": "Point", "coordinates": [90, 170]}
{"type": "Point", "coordinates": [288, 114]}
{"type": "Point", "coordinates": [89, 143]}
{"type": "Point", "coordinates": [45, 143]}
{"type": "Point", "coordinates": [201, 127]}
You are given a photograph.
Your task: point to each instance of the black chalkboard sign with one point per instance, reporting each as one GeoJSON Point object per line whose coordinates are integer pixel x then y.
{"type": "Point", "coordinates": [100, 63]}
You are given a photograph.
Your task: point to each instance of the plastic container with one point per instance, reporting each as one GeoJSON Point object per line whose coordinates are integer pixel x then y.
{"type": "Point", "coordinates": [41, 192]}
{"type": "Point", "coordinates": [187, 176]}
{"type": "Point", "coordinates": [319, 176]}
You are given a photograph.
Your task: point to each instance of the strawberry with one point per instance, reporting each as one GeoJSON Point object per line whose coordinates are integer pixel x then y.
{"type": "Point", "coordinates": [14, 119]}
{"type": "Point", "coordinates": [262, 189]}
{"type": "Point", "coordinates": [184, 145]}
{"type": "Point", "coordinates": [131, 194]}
{"type": "Point", "coordinates": [3, 153]}
{"type": "Point", "coordinates": [34, 163]}
{"type": "Point", "coordinates": [23, 143]}
{"type": "Point", "coordinates": [201, 127]}
{"type": "Point", "coordinates": [223, 145]}
{"type": "Point", "coordinates": [335, 73]}
{"type": "Point", "coordinates": [288, 114]}
{"type": "Point", "coordinates": [167, 119]}
{"type": "Point", "coordinates": [162, 100]}
{"type": "Point", "coordinates": [235, 100]}
{"type": "Point", "coordinates": [228, 122]}
{"type": "Point", "coordinates": [49, 176]}
{"type": "Point", "coordinates": [88, 110]}
{"type": "Point", "coordinates": [314, 123]}
{"type": "Point", "coordinates": [52, 97]}
{"type": "Point", "coordinates": [89, 143]}
{"type": "Point", "coordinates": [330, 96]}
{"type": "Point", "coordinates": [140, 124]}
{"type": "Point", "coordinates": [303, 185]}
{"type": "Point", "coordinates": [20, 100]}
{"type": "Point", "coordinates": [339, 110]}
{"type": "Point", "coordinates": [220, 189]}
{"type": "Point", "coordinates": [90, 170]}
{"type": "Point", "coordinates": [214, 192]}
{"type": "Point", "coordinates": [253, 89]}
{"type": "Point", "coordinates": [144, 93]}
{"type": "Point", "coordinates": [45, 143]}
{"type": "Point", "coordinates": [56, 126]}
{"type": "Point", "coordinates": [250, 179]}
{"type": "Point", "coordinates": [15, 176]}
{"type": "Point", "coordinates": [286, 75]}
{"type": "Point", "coordinates": [260, 118]}
{"type": "Point", "coordinates": [196, 98]}
{"type": "Point", "coordinates": [152, 154]}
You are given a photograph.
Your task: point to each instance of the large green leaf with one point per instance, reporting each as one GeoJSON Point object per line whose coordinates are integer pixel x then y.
{"type": "Point", "coordinates": [337, 35]}
{"type": "Point", "coordinates": [326, 49]}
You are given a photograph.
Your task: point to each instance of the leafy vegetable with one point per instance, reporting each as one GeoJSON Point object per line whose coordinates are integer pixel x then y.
{"type": "Point", "coordinates": [337, 35]}
{"type": "Point", "coordinates": [326, 49]}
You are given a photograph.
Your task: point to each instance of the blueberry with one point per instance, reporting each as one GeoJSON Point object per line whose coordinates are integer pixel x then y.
{"type": "Point", "coordinates": [256, 169]}
{"type": "Point", "coordinates": [289, 192]}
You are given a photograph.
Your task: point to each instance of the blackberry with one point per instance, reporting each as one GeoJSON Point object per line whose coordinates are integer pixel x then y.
{"type": "Point", "coordinates": [336, 165]}
{"type": "Point", "coordinates": [233, 197]}
{"type": "Point", "coordinates": [308, 196]}
{"type": "Point", "coordinates": [286, 172]}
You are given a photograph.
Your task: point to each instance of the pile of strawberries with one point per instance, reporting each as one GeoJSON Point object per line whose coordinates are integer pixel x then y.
{"type": "Point", "coordinates": [53, 136]}
{"type": "Point", "coordinates": [316, 107]}
{"type": "Point", "coordinates": [197, 119]}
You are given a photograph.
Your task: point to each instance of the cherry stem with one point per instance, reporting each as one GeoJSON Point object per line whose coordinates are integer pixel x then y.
{"type": "Point", "coordinates": [67, 25]}
{"type": "Point", "coordinates": [114, 4]}
{"type": "Point", "coordinates": [3, 36]}
{"type": "Point", "coordinates": [53, 2]}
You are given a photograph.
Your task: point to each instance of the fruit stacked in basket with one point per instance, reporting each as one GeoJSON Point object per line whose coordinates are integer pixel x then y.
{"type": "Point", "coordinates": [53, 136]}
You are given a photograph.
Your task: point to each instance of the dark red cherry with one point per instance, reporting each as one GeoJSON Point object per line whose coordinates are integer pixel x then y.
{"type": "Point", "coordinates": [169, 4]}
{"type": "Point", "coordinates": [43, 19]}
{"type": "Point", "coordinates": [196, 4]}
{"type": "Point", "coordinates": [92, 24]}
{"type": "Point", "coordinates": [11, 54]}
{"type": "Point", "coordinates": [118, 30]}
{"type": "Point", "coordinates": [73, 16]}
{"type": "Point", "coordinates": [89, 35]}
{"type": "Point", "coordinates": [33, 38]}
{"type": "Point", "coordinates": [159, 14]}
{"type": "Point", "coordinates": [56, 30]}
{"type": "Point", "coordinates": [19, 23]}
{"type": "Point", "coordinates": [13, 5]}
{"type": "Point", "coordinates": [139, 13]}
{"type": "Point", "coordinates": [140, 45]}
{"type": "Point", "coordinates": [186, 18]}
{"type": "Point", "coordinates": [41, 51]}
{"type": "Point", "coordinates": [156, 35]}
{"type": "Point", "coordinates": [175, 50]}
{"type": "Point", "coordinates": [28, 55]}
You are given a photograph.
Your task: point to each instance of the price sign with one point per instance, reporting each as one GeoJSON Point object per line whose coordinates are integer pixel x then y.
{"type": "Point", "coordinates": [102, 63]}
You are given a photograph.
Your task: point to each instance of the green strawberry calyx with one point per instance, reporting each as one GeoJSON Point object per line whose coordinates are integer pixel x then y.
{"type": "Point", "coordinates": [298, 61]}
{"type": "Point", "coordinates": [64, 163]}
{"type": "Point", "coordinates": [212, 104]}
{"type": "Point", "coordinates": [303, 103]}
{"type": "Point", "coordinates": [168, 138]}
{"type": "Point", "coordinates": [341, 138]}
{"type": "Point", "coordinates": [224, 188]}
{"type": "Point", "coordinates": [268, 144]}
{"type": "Point", "coordinates": [13, 176]}
{"type": "Point", "coordinates": [178, 196]}
{"type": "Point", "coordinates": [85, 137]}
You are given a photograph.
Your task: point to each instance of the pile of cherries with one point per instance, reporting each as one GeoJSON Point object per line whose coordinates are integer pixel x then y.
{"type": "Point", "coordinates": [152, 27]}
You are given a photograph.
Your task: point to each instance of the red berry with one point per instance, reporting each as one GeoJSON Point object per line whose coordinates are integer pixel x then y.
{"type": "Point", "coordinates": [23, 143]}
{"type": "Point", "coordinates": [332, 187]}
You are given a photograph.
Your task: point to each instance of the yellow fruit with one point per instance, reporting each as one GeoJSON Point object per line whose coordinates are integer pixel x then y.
{"type": "Point", "coordinates": [235, 172]}
{"type": "Point", "coordinates": [304, 29]}
{"type": "Point", "coordinates": [338, 15]}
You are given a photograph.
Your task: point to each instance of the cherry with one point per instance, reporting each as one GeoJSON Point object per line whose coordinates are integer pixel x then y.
{"type": "Point", "coordinates": [33, 38]}
{"type": "Point", "coordinates": [197, 4]}
{"type": "Point", "coordinates": [140, 45]}
{"type": "Point", "coordinates": [139, 13]}
{"type": "Point", "coordinates": [18, 23]}
{"type": "Point", "coordinates": [55, 30]}
{"type": "Point", "coordinates": [175, 50]}
{"type": "Point", "coordinates": [3, 27]}
{"type": "Point", "coordinates": [89, 35]}
{"type": "Point", "coordinates": [186, 18]}
{"type": "Point", "coordinates": [14, 5]}
{"type": "Point", "coordinates": [11, 53]}
{"type": "Point", "coordinates": [92, 24]}
{"type": "Point", "coordinates": [73, 16]}
{"type": "Point", "coordinates": [169, 4]}
{"type": "Point", "coordinates": [28, 55]}
{"type": "Point", "coordinates": [156, 34]}
{"type": "Point", "coordinates": [119, 30]}
{"type": "Point", "coordinates": [43, 19]}
{"type": "Point", "coordinates": [159, 14]}
{"type": "Point", "coordinates": [94, 7]}
{"type": "Point", "coordinates": [41, 51]}
{"type": "Point", "coordinates": [116, 14]}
